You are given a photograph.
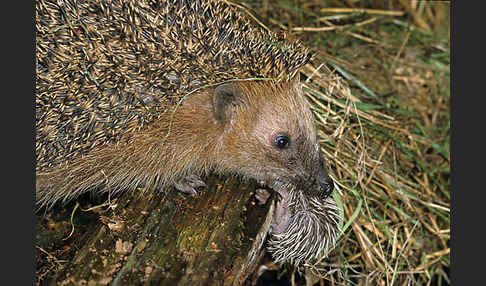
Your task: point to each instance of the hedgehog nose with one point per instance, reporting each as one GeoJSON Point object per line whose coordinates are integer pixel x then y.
{"type": "Point", "coordinates": [326, 186]}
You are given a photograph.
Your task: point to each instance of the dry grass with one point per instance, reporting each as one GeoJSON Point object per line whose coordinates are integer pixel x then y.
{"type": "Point", "coordinates": [379, 82]}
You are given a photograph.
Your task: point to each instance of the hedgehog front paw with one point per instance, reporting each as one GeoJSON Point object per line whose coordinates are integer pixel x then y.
{"type": "Point", "coordinates": [189, 184]}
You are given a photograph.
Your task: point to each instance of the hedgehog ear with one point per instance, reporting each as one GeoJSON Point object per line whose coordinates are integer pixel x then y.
{"type": "Point", "coordinates": [225, 97]}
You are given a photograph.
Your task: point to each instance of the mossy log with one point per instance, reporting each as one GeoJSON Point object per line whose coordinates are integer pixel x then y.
{"type": "Point", "coordinates": [156, 239]}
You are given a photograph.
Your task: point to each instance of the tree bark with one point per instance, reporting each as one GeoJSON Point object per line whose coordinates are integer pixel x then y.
{"type": "Point", "coordinates": [157, 239]}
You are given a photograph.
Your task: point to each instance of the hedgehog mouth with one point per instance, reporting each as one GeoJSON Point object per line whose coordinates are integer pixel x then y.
{"type": "Point", "coordinates": [282, 214]}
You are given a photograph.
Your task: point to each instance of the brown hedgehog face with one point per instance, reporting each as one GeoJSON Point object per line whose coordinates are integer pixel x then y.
{"type": "Point", "coordinates": [271, 136]}
{"type": "Point", "coordinates": [268, 134]}
{"type": "Point", "coordinates": [290, 158]}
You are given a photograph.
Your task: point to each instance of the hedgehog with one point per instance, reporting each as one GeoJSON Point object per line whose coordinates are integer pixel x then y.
{"type": "Point", "coordinates": [157, 94]}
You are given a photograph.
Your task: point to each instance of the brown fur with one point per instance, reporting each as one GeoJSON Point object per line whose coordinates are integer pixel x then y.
{"type": "Point", "coordinates": [269, 110]}
{"type": "Point", "coordinates": [197, 144]}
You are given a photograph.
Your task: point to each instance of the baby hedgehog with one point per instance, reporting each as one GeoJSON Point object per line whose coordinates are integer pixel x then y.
{"type": "Point", "coordinates": [153, 94]}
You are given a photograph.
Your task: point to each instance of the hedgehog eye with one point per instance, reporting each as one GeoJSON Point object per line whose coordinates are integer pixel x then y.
{"type": "Point", "coordinates": [282, 141]}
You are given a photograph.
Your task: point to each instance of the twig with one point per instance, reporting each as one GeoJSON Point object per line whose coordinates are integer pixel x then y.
{"type": "Point", "coordinates": [72, 224]}
{"type": "Point", "coordinates": [353, 79]}
{"type": "Point", "coordinates": [383, 150]}
{"type": "Point", "coordinates": [249, 14]}
{"type": "Point", "coordinates": [332, 27]}
{"type": "Point", "coordinates": [366, 11]}
{"type": "Point", "coordinates": [405, 41]}
{"type": "Point", "coordinates": [313, 29]}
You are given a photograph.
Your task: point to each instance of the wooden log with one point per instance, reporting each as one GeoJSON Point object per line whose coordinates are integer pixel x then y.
{"type": "Point", "coordinates": [157, 239]}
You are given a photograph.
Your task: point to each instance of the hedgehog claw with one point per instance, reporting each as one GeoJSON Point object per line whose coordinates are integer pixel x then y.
{"type": "Point", "coordinates": [189, 184]}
